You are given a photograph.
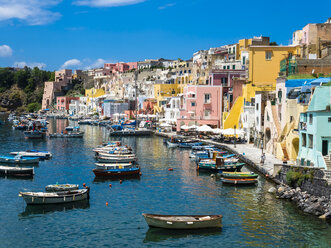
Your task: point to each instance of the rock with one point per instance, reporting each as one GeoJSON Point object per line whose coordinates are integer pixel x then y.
{"type": "Point", "coordinates": [272, 190]}
{"type": "Point", "coordinates": [281, 190]}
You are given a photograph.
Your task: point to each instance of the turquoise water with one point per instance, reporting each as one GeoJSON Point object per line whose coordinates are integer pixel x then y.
{"type": "Point", "coordinates": [252, 217]}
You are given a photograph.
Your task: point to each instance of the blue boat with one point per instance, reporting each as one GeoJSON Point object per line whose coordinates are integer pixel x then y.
{"type": "Point", "coordinates": [18, 159]}
{"type": "Point", "coordinates": [189, 144]}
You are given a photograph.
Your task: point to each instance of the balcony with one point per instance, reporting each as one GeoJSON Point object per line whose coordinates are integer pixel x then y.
{"type": "Point", "coordinates": [207, 106]}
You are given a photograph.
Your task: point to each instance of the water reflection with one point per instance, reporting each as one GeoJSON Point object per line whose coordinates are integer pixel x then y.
{"type": "Point", "coordinates": [34, 210]}
{"type": "Point", "coordinates": [160, 234]}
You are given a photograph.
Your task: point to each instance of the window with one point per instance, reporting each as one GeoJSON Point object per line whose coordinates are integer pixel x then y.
{"type": "Point", "coordinates": [224, 67]}
{"type": "Point", "coordinates": [207, 98]}
{"type": "Point", "coordinates": [291, 118]}
{"type": "Point", "coordinates": [192, 104]}
{"type": "Point", "coordinates": [189, 71]}
{"type": "Point", "coordinates": [329, 119]}
{"type": "Point", "coordinates": [228, 67]}
{"type": "Point", "coordinates": [268, 55]}
{"type": "Point", "coordinates": [304, 140]}
{"type": "Point", "coordinates": [257, 106]}
{"type": "Point", "coordinates": [207, 113]}
{"type": "Point", "coordinates": [310, 138]}
{"type": "Point", "coordinates": [244, 60]}
{"type": "Point", "coordinates": [233, 49]}
{"type": "Point", "coordinates": [310, 119]}
{"type": "Point", "coordinates": [233, 67]}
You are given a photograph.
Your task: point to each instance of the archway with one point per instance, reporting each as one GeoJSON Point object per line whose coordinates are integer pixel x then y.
{"type": "Point", "coordinates": [295, 145]}
{"type": "Point", "coordinates": [267, 135]}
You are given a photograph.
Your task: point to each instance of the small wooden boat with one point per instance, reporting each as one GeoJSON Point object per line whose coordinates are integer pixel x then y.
{"type": "Point", "coordinates": [245, 181]}
{"type": "Point", "coordinates": [116, 158]}
{"type": "Point", "coordinates": [189, 144]}
{"type": "Point", "coordinates": [16, 171]}
{"type": "Point", "coordinates": [18, 159]}
{"type": "Point", "coordinates": [109, 166]}
{"type": "Point", "coordinates": [183, 221]}
{"type": "Point", "coordinates": [33, 153]}
{"type": "Point", "coordinates": [61, 187]}
{"type": "Point", "coordinates": [117, 171]}
{"type": "Point", "coordinates": [34, 134]}
{"type": "Point", "coordinates": [213, 167]}
{"type": "Point", "coordinates": [32, 198]}
{"type": "Point", "coordinates": [239, 175]}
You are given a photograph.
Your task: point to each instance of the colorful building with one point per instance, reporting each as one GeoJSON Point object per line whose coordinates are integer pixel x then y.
{"type": "Point", "coordinates": [163, 91]}
{"type": "Point", "coordinates": [62, 102]}
{"type": "Point", "coordinates": [314, 131]}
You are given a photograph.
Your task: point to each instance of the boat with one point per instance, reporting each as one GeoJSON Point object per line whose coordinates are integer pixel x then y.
{"type": "Point", "coordinates": [108, 166]}
{"type": "Point", "coordinates": [33, 153]}
{"type": "Point", "coordinates": [189, 144]}
{"type": "Point", "coordinates": [220, 164]}
{"type": "Point", "coordinates": [16, 171]}
{"type": "Point", "coordinates": [61, 187]}
{"type": "Point", "coordinates": [116, 158]}
{"type": "Point", "coordinates": [32, 198]}
{"type": "Point", "coordinates": [244, 181]}
{"type": "Point", "coordinates": [172, 143]}
{"type": "Point", "coordinates": [239, 175]}
{"type": "Point", "coordinates": [132, 132]}
{"type": "Point", "coordinates": [117, 170]}
{"type": "Point", "coordinates": [183, 221]}
{"type": "Point", "coordinates": [67, 135]}
{"type": "Point", "coordinates": [18, 159]}
{"type": "Point", "coordinates": [35, 134]}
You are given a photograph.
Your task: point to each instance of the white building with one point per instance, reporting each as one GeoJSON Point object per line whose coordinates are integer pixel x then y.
{"type": "Point", "coordinates": [172, 109]}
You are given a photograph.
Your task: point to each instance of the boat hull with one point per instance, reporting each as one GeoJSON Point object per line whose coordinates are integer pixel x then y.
{"type": "Point", "coordinates": [239, 181]}
{"type": "Point", "coordinates": [16, 172]}
{"type": "Point", "coordinates": [115, 159]}
{"type": "Point", "coordinates": [116, 173]}
{"type": "Point", "coordinates": [19, 161]}
{"type": "Point", "coordinates": [183, 222]}
{"type": "Point", "coordinates": [55, 198]}
{"type": "Point", "coordinates": [170, 144]}
{"type": "Point", "coordinates": [131, 133]}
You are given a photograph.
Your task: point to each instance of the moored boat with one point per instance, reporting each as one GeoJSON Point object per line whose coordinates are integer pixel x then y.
{"type": "Point", "coordinates": [18, 159]}
{"type": "Point", "coordinates": [32, 198]}
{"type": "Point", "coordinates": [183, 221]}
{"type": "Point", "coordinates": [116, 158]}
{"type": "Point", "coordinates": [239, 175]}
{"type": "Point", "coordinates": [35, 134]}
{"type": "Point", "coordinates": [237, 181]}
{"type": "Point", "coordinates": [16, 171]}
{"type": "Point", "coordinates": [33, 153]}
{"type": "Point", "coordinates": [114, 170]}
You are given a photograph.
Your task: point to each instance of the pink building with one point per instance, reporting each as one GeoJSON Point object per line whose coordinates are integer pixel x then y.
{"type": "Point", "coordinates": [202, 105]}
{"type": "Point", "coordinates": [121, 67]}
{"type": "Point", "coordinates": [62, 102]}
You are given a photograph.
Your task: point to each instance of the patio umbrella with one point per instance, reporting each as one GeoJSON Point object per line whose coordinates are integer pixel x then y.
{"type": "Point", "coordinates": [217, 131]}
{"type": "Point", "coordinates": [184, 127]}
{"type": "Point", "coordinates": [205, 128]}
{"type": "Point", "coordinates": [165, 125]}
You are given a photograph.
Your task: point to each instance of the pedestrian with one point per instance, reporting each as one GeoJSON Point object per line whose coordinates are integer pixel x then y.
{"type": "Point", "coordinates": [262, 158]}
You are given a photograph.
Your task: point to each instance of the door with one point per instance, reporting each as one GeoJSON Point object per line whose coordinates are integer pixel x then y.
{"type": "Point", "coordinates": [325, 145]}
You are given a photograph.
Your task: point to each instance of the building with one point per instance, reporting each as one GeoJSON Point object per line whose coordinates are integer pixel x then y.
{"type": "Point", "coordinates": [111, 107]}
{"type": "Point", "coordinates": [62, 102]}
{"type": "Point", "coordinates": [172, 109]}
{"type": "Point", "coordinates": [78, 107]}
{"type": "Point", "coordinates": [201, 105]}
{"type": "Point", "coordinates": [314, 131]}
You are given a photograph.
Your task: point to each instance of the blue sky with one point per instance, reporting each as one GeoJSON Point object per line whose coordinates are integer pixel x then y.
{"type": "Point", "coordinates": [85, 33]}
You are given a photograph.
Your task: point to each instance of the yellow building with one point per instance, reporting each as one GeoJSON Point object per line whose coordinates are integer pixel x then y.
{"type": "Point", "coordinates": [162, 91]}
{"type": "Point", "coordinates": [264, 63]}
{"type": "Point", "coordinates": [93, 93]}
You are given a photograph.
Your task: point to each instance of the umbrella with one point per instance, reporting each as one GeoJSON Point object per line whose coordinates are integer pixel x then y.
{"type": "Point", "coordinates": [217, 131]}
{"type": "Point", "coordinates": [184, 127]}
{"type": "Point", "coordinates": [165, 125]}
{"type": "Point", "coordinates": [205, 128]}
{"type": "Point", "coordinates": [193, 127]}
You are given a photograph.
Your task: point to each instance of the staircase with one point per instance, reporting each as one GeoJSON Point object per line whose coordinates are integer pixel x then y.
{"type": "Point", "coordinates": [327, 162]}
{"type": "Point", "coordinates": [286, 157]}
{"type": "Point", "coordinates": [275, 118]}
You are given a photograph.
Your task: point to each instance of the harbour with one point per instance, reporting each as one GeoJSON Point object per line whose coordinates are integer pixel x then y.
{"type": "Point", "coordinates": [251, 216]}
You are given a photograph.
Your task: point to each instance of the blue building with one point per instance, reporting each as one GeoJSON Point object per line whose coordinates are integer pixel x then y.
{"type": "Point", "coordinates": [315, 130]}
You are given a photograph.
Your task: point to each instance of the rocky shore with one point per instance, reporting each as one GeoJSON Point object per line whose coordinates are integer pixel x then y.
{"type": "Point", "coordinates": [319, 206]}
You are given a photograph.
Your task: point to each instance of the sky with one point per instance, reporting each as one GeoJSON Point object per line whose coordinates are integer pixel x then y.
{"type": "Point", "coordinates": [56, 34]}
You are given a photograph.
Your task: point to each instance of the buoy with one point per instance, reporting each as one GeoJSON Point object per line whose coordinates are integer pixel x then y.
{"type": "Point", "coordinates": [84, 184]}
{"type": "Point", "coordinates": [109, 185]}
{"type": "Point", "coordinates": [140, 173]}
{"type": "Point", "coordinates": [107, 204]}
{"type": "Point", "coordinates": [121, 181]}
{"type": "Point", "coordinates": [243, 153]}
{"type": "Point", "coordinates": [170, 169]}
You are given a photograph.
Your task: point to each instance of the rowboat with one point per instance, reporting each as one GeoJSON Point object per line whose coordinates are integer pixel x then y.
{"type": "Point", "coordinates": [16, 171]}
{"type": "Point", "coordinates": [239, 175]}
{"type": "Point", "coordinates": [213, 167]}
{"type": "Point", "coordinates": [108, 166]}
{"type": "Point", "coordinates": [183, 221]}
{"type": "Point", "coordinates": [61, 187]}
{"type": "Point", "coordinates": [117, 171]}
{"type": "Point", "coordinates": [18, 159]}
{"type": "Point", "coordinates": [189, 144]}
{"type": "Point", "coordinates": [246, 181]}
{"type": "Point", "coordinates": [32, 198]}
{"type": "Point", "coordinates": [67, 135]}
{"type": "Point", "coordinates": [34, 134]}
{"type": "Point", "coordinates": [33, 153]}
{"type": "Point", "coordinates": [116, 158]}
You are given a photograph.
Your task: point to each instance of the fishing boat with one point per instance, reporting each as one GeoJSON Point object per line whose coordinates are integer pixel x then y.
{"type": "Point", "coordinates": [108, 166]}
{"type": "Point", "coordinates": [66, 135]}
{"type": "Point", "coordinates": [237, 181]}
{"type": "Point", "coordinates": [16, 171]}
{"type": "Point", "coordinates": [189, 144]}
{"type": "Point", "coordinates": [18, 159]}
{"type": "Point", "coordinates": [32, 198]}
{"type": "Point", "coordinates": [183, 221]}
{"type": "Point", "coordinates": [221, 164]}
{"type": "Point", "coordinates": [61, 187]}
{"type": "Point", "coordinates": [33, 153]}
{"type": "Point", "coordinates": [116, 158]}
{"type": "Point", "coordinates": [132, 132]}
{"type": "Point", "coordinates": [35, 134]}
{"type": "Point", "coordinates": [117, 170]}
{"type": "Point", "coordinates": [239, 175]}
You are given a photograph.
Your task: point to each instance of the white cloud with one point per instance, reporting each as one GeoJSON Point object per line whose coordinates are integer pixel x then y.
{"type": "Point", "coordinates": [33, 12]}
{"type": "Point", "coordinates": [22, 64]}
{"type": "Point", "coordinates": [166, 6]}
{"type": "Point", "coordinates": [71, 63]}
{"type": "Point", "coordinates": [106, 3]}
{"type": "Point", "coordinates": [5, 51]}
{"type": "Point", "coordinates": [96, 64]}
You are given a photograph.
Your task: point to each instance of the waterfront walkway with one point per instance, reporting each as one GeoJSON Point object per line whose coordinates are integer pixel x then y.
{"type": "Point", "coordinates": [247, 152]}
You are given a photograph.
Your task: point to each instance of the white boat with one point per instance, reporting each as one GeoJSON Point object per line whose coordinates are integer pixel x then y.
{"type": "Point", "coordinates": [61, 187]}
{"type": "Point", "coordinates": [18, 159]}
{"type": "Point", "coordinates": [116, 159]}
{"type": "Point", "coordinates": [183, 221]}
{"type": "Point", "coordinates": [67, 135]}
{"type": "Point", "coordinates": [33, 153]}
{"type": "Point", "coordinates": [16, 171]}
{"type": "Point", "coordinates": [34, 198]}
{"type": "Point", "coordinates": [172, 144]}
